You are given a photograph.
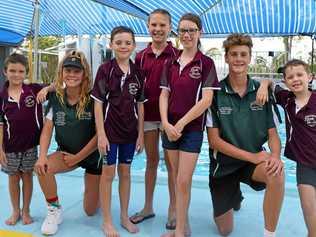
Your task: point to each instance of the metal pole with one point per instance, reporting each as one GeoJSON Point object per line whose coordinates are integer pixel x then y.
{"type": "Point", "coordinates": [313, 41]}
{"type": "Point", "coordinates": [35, 41]}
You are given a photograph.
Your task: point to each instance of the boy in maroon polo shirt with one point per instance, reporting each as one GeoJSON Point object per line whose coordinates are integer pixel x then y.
{"type": "Point", "coordinates": [151, 61]}
{"type": "Point", "coordinates": [300, 109]}
{"type": "Point", "coordinates": [18, 143]}
{"type": "Point", "coordinates": [120, 128]}
{"type": "Point", "coordinates": [187, 84]}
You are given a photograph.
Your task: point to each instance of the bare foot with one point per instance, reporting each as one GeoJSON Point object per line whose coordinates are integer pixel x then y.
{"type": "Point", "coordinates": [26, 218]}
{"type": "Point", "coordinates": [129, 226]}
{"type": "Point", "coordinates": [13, 219]}
{"type": "Point", "coordinates": [169, 234]}
{"type": "Point", "coordinates": [109, 230]}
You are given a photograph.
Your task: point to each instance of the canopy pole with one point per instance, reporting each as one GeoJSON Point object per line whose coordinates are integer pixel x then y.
{"type": "Point", "coordinates": [313, 50]}
{"type": "Point", "coordinates": [35, 41]}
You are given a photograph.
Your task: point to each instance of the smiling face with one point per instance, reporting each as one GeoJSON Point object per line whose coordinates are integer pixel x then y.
{"type": "Point", "coordinates": [15, 73]}
{"type": "Point", "coordinates": [297, 79]}
{"type": "Point", "coordinates": [238, 58]}
{"type": "Point", "coordinates": [72, 77]}
{"type": "Point", "coordinates": [159, 27]}
{"type": "Point", "coordinates": [123, 45]}
{"type": "Point", "coordinates": [189, 34]}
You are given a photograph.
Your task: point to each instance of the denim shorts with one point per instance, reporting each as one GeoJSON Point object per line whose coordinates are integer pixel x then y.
{"type": "Point", "coordinates": [123, 152]}
{"type": "Point", "coordinates": [189, 142]}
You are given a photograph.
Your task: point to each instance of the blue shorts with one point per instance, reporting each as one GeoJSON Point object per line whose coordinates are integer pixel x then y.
{"type": "Point", "coordinates": [189, 142]}
{"type": "Point", "coordinates": [125, 154]}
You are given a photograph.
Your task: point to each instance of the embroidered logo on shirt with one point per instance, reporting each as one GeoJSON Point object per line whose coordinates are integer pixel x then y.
{"type": "Point", "coordinates": [60, 118]}
{"type": "Point", "coordinates": [225, 110]}
{"type": "Point", "coordinates": [195, 72]}
{"type": "Point", "coordinates": [29, 101]}
{"type": "Point", "coordinates": [255, 107]}
{"type": "Point", "coordinates": [133, 88]}
{"type": "Point", "coordinates": [310, 120]}
{"type": "Point", "coordinates": [86, 116]}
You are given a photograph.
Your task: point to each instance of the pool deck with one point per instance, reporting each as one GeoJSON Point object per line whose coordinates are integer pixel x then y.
{"type": "Point", "coordinates": [248, 221]}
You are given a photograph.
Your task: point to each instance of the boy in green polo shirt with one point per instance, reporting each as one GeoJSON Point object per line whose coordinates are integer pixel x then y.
{"type": "Point", "coordinates": [237, 129]}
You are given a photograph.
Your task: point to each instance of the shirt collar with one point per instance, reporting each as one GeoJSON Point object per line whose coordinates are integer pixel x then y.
{"type": "Point", "coordinates": [167, 50]}
{"type": "Point", "coordinates": [251, 87]}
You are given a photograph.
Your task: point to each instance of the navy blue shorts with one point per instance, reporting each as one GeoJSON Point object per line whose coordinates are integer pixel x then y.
{"type": "Point", "coordinates": [189, 142]}
{"type": "Point", "coordinates": [123, 152]}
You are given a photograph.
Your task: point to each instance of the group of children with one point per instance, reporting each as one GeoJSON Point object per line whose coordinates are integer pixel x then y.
{"type": "Point", "coordinates": [165, 91]}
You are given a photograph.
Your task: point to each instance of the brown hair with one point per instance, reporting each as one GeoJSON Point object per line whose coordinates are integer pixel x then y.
{"type": "Point", "coordinates": [16, 58]}
{"type": "Point", "coordinates": [237, 40]}
{"type": "Point", "coordinates": [85, 85]}
{"type": "Point", "coordinates": [294, 63]}
{"type": "Point", "coordinates": [162, 12]}
{"type": "Point", "coordinates": [195, 19]}
{"type": "Point", "coordinates": [122, 29]}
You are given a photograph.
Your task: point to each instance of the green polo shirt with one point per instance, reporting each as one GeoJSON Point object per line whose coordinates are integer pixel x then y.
{"type": "Point", "coordinates": [241, 122]}
{"type": "Point", "coordinates": [71, 133]}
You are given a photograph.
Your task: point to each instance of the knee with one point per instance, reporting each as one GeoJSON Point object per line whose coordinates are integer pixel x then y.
{"type": "Point", "coordinates": [183, 184]}
{"type": "Point", "coordinates": [152, 163]}
{"type": "Point", "coordinates": [108, 176]}
{"type": "Point", "coordinates": [90, 211]}
{"type": "Point", "coordinates": [124, 174]}
{"type": "Point", "coordinates": [275, 181]}
{"type": "Point", "coordinates": [224, 230]}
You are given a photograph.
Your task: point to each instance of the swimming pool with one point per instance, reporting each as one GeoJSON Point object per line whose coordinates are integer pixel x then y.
{"type": "Point", "coordinates": [202, 168]}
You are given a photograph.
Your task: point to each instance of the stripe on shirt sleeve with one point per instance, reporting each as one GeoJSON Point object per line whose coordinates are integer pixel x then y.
{"type": "Point", "coordinates": [97, 99]}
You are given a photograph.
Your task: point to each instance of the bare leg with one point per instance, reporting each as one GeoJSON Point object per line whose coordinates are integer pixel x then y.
{"type": "Point", "coordinates": [108, 173]}
{"type": "Point", "coordinates": [186, 166]}
{"type": "Point", "coordinates": [91, 193]}
{"type": "Point", "coordinates": [14, 189]}
{"type": "Point", "coordinates": [308, 203]}
{"type": "Point", "coordinates": [171, 187]}
{"type": "Point", "coordinates": [27, 179]}
{"type": "Point", "coordinates": [273, 197]}
{"type": "Point", "coordinates": [124, 190]}
{"type": "Point", "coordinates": [225, 223]}
{"type": "Point", "coordinates": [48, 182]}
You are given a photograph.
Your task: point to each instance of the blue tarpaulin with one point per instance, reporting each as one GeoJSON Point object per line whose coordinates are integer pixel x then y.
{"type": "Point", "coordinates": [220, 17]}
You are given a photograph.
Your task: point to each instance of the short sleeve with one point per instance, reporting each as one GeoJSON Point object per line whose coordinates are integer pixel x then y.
{"type": "Point", "coordinates": [37, 87]}
{"type": "Point", "coordinates": [164, 79]}
{"type": "Point", "coordinates": [1, 111]}
{"type": "Point", "coordinates": [281, 95]}
{"type": "Point", "coordinates": [100, 90]}
{"type": "Point", "coordinates": [210, 80]}
{"type": "Point", "coordinates": [212, 119]}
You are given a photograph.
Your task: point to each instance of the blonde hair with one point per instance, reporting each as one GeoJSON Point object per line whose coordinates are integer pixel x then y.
{"type": "Point", "coordinates": [84, 96]}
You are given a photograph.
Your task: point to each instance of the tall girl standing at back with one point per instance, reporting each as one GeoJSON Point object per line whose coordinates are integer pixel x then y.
{"type": "Point", "coordinates": [187, 91]}
{"type": "Point", "coordinates": [151, 61]}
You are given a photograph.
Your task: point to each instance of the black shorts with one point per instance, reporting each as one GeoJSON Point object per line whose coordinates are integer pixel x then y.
{"type": "Point", "coordinates": [91, 164]}
{"type": "Point", "coordinates": [226, 192]}
{"type": "Point", "coordinates": [305, 175]}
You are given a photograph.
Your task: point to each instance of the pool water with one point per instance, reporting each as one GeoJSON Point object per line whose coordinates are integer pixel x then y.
{"type": "Point", "coordinates": [202, 168]}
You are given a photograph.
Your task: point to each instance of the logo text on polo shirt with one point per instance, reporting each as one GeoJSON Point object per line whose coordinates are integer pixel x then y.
{"type": "Point", "coordinates": [133, 88]}
{"type": "Point", "coordinates": [310, 120]}
{"type": "Point", "coordinates": [255, 107]}
{"type": "Point", "coordinates": [60, 118]}
{"type": "Point", "coordinates": [86, 116]}
{"type": "Point", "coordinates": [195, 72]}
{"type": "Point", "coordinates": [225, 110]}
{"type": "Point", "coordinates": [29, 101]}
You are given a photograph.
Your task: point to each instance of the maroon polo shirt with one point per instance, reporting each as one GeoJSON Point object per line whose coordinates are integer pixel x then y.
{"type": "Point", "coordinates": [152, 66]}
{"type": "Point", "coordinates": [23, 120]}
{"type": "Point", "coordinates": [186, 87]}
{"type": "Point", "coordinates": [120, 100]}
{"type": "Point", "coordinates": [300, 127]}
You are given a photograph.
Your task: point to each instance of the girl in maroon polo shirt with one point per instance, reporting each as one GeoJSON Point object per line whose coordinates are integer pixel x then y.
{"type": "Point", "coordinates": [18, 144]}
{"type": "Point", "coordinates": [187, 90]}
{"type": "Point", "coordinates": [151, 61]}
{"type": "Point", "coordinates": [118, 89]}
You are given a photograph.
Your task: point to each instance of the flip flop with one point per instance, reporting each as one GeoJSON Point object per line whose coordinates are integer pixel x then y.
{"type": "Point", "coordinates": [171, 224]}
{"type": "Point", "coordinates": [141, 217]}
